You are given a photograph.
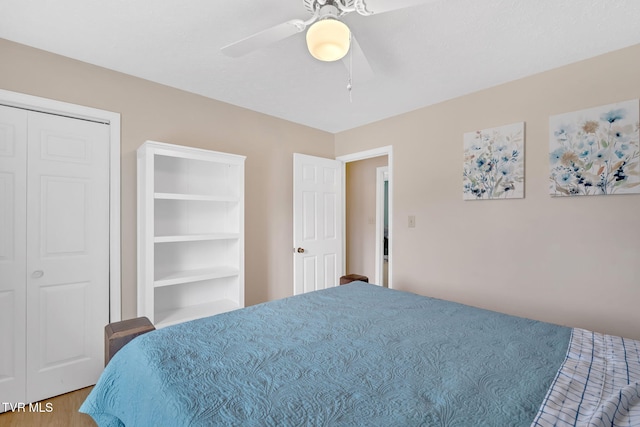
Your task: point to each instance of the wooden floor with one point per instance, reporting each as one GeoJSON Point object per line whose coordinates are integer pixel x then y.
{"type": "Point", "coordinates": [63, 412]}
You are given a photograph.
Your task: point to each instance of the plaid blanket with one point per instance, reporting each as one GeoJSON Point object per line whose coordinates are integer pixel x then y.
{"type": "Point", "coordinates": [597, 385]}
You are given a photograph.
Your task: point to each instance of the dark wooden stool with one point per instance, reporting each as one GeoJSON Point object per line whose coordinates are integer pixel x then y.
{"type": "Point", "coordinates": [352, 278]}
{"type": "Point", "coordinates": [118, 334]}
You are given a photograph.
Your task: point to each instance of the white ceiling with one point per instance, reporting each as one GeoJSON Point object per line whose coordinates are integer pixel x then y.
{"type": "Point", "coordinates": [420, 56]}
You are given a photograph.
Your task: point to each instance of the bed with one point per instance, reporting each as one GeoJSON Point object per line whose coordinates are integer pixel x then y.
{"type": "Point", "coordinates": [363, 355]}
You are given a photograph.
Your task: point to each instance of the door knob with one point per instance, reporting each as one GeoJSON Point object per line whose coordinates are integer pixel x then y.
{"type": "Point", "coordinates": [37, 274]}
{"type": "Point", "coordinates": [300, 250]}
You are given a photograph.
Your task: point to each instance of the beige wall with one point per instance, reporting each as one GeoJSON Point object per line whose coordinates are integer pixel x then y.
{"type": "Point", "coordinates": [152, 111]}
{"type": "Point", "coordinates": [361, 216]}
{"type": "Point", "coordinates": [574, 261]}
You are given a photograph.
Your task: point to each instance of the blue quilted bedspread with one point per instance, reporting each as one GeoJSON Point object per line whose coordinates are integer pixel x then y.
{"type": "Point", "coordinates": [355, 355]}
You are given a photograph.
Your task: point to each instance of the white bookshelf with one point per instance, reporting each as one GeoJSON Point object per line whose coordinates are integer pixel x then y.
{"type": "Point", "coordinates": [190, 232]}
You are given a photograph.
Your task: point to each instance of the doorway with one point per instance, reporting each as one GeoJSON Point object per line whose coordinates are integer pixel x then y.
{"type": "Point", "coordinates": [315, 276]}
{"type": "Point", "coordinates": [364, 246]}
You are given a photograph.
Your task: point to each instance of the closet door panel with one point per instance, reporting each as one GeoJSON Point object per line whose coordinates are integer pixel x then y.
{"type": "Point", "coordinates": [13, 162]}
{"type": "Point", "coordinates": [67, 253]}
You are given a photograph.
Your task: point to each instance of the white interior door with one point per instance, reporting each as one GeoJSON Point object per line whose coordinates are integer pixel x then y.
{"type": "Point", "coordinates": [67, 269]}
{"type": "Point", "coordinates": [317, 222]}
{"type": "Point", "coordinates": [13, 211]}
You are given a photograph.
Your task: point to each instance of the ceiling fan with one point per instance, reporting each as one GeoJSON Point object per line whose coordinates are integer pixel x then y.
{"type": "Point", "coordinates": [328, 38]}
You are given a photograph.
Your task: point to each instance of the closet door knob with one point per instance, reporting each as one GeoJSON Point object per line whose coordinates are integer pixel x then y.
{"type": "Point", "coordinates": [37, 274]}
{"type": "Point", "coordinates": [300, 250]}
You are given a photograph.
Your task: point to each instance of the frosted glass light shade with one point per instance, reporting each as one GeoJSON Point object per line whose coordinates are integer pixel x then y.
{"type": "Point", "coordinates": [328, 40]}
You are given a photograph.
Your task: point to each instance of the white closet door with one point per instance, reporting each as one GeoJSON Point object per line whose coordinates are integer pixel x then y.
{"type": "Point", "coordinates": [13, 165]}
{"type": "Point", "coordinates": [67, 253]}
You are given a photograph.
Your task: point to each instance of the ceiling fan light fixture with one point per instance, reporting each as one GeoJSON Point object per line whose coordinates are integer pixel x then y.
{"type": "Point", "coordinates": [328, 40]}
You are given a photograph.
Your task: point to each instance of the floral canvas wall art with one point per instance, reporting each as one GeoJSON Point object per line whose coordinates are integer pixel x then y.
{"type": "Point", "coordinates": [494, 163]}
{"type": "Point", "coordinates": [595, 151]}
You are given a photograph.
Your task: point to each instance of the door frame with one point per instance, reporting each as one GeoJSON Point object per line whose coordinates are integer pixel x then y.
{"type": "Point", "coordinates": [51, 106]}
{"type": "Point", "coordinates": [382, 176]}
{"type": "Point", "coordinates": [362, 155]}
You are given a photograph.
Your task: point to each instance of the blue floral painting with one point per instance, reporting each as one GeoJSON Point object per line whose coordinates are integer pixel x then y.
{"type": "Point", "coordinates": [494, 163]}
{"type": "Point", "coordinates": [595, 151]}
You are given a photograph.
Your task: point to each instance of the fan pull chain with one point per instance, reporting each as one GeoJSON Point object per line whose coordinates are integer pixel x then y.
{"type": "Point", "coordinates": [350, 81]}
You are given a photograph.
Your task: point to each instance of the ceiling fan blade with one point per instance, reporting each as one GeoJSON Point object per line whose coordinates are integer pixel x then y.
{"type": "Point", "coordinates": [374, 7]}
{"type": "Point", "coordinates": [264, 38]}
{"type": "Point", "coordinates": [357, 62]}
